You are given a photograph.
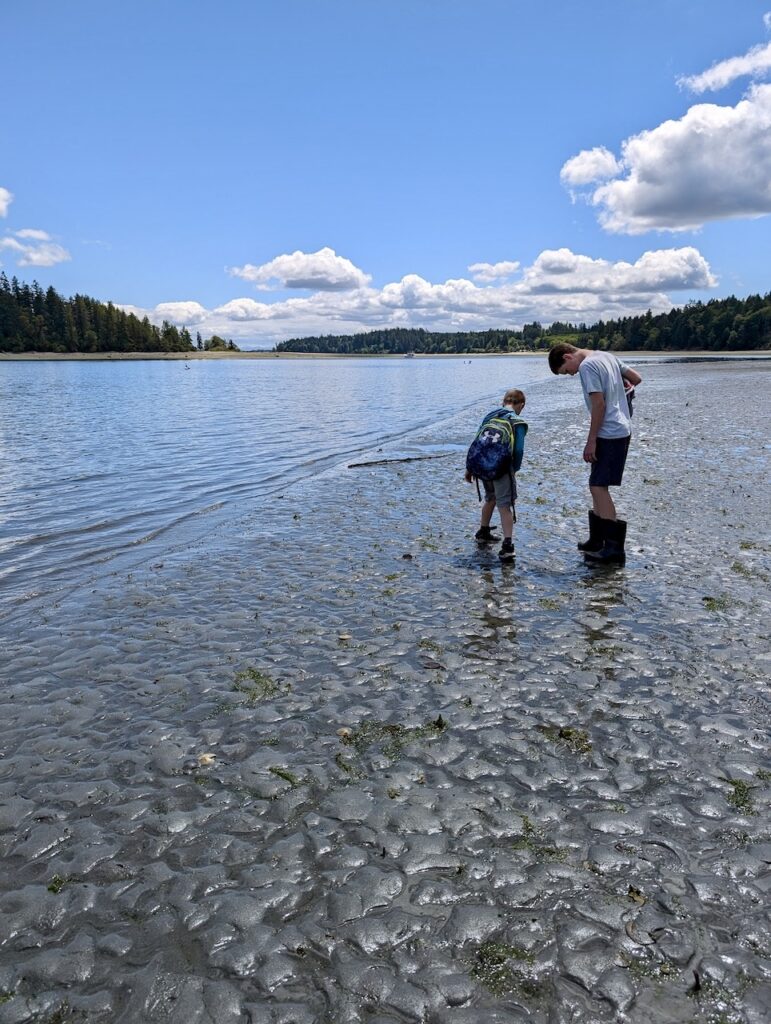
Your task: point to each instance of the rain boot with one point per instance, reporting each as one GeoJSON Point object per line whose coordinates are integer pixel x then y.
{"type": "Point", "coordinates": [612, 550]}
{"type": "Point", "coordinates": [595, 534]}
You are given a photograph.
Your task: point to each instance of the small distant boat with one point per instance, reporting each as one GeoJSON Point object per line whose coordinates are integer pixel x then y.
{"type": "Point", "coordinates": [409, 355]}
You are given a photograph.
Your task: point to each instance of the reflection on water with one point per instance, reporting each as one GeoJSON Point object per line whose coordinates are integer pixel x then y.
{"type": "Point", "coordinates": [102, 457]}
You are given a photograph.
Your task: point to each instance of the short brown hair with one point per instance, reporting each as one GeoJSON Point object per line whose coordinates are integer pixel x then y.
{"type": "Point", "coordinates": [557, 355]}
{"type": "Point", "coordinates": [513, 397]}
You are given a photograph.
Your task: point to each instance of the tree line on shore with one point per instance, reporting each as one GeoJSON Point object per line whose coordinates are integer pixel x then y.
{"type": "Point", "coordinates": [718, 325]}
{"type": "Point", "coordinates": [33, 320]}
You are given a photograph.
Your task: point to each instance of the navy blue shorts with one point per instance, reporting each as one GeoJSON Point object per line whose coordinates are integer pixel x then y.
{"type": "Point", "coordinates": [608, 470]}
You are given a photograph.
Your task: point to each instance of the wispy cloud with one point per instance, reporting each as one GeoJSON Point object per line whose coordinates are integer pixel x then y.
{"type": "Point", "coordinates": [754, 64]}
{"type": "Point", "coordinates": [319, 271]}
{"type": "Point", "coordinates": [714, 163]}
{"type": "Point", "coordinates": [34, 248]}
{"type": "Point", "coordinates": [6, 198]}
{"type": "Point", "coordinates": [558, 285]}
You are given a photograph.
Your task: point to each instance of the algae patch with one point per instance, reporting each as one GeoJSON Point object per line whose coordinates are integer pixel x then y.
{"type": "Point", "coordinates": [392, 737]}
{"type": "Point", "coordinates": [286, 775]}
{"type": "Point", "coordinates": [255, 685]}
{"type": "Point", "coordinates": [741, 797]}
{"type": "Point", "coordinates": [576, 740]}
{"type": "Point", "coordinates": [499, 967]}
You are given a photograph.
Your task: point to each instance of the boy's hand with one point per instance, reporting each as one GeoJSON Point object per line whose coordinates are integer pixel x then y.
{"type": "Point", "coordinates": [468, 477]}
{"type": "Point", "coordinates": [590, 451]}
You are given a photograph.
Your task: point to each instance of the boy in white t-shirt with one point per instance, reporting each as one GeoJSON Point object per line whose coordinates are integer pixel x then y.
{"type": "Point", "coordinates": [606, 383]}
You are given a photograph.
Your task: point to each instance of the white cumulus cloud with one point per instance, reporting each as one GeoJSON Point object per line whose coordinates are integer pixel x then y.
{"type": "Point", "coordinates": [590, 165]}
{"type": "Point", "coordinates": [6, 198]}
{"type": "Point", "coordinates": [714, 163]}
{"type": "Point", "coordinates": [558, 285]}
{"type": "Point", "coordinates": [181, 313]}
{"type": "Point", "coordinates": [560, 270]}
{"type": "Point", "coordinates": [319, 271]}
{"type": "Point", "coordinates": [244, 310]}
{"type": "Point", "coordinates": [36, 248]}
{"type": "Point", "coordinates": [493, 271]}
{"type": "Point", "coordinates": [755, 63]}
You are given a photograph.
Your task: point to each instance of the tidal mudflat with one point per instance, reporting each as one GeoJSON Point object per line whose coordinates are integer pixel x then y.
{"type": "Point", "coordinates": [335, 765]}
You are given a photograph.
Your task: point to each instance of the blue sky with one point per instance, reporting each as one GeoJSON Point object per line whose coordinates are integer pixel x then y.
{"type": "Point", "coordinates": [267, 170]}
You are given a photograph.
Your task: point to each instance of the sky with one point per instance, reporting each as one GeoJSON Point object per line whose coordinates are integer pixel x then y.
{"type": "Point", "coordinates": [272, 169]}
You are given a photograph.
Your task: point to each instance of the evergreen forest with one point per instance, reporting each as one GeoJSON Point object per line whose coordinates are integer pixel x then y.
{"type": "Point", "coordinates": [33, 320]}
{"type": "Point", "coordinates": [719, 325]}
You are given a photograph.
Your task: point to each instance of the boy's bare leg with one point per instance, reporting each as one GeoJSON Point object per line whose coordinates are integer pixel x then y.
{"type": "Point", "coordinates": [507, 522]}
{"type": "Point", "coordinates": [603, 503]}
{"type": "Point", "coordinates": [488, 507]}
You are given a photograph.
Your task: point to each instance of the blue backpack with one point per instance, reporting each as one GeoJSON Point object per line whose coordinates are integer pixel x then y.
{"type": "Point", "coordinates": [492, 454]}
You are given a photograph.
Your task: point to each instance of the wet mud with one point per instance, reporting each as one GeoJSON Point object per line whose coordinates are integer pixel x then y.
{"type": "Point", "coordinates": [338, 765]}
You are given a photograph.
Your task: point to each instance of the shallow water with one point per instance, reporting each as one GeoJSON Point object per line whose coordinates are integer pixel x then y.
{"type": "Point", "coordinates": [552, 802]}
{"type": "Point", "coordinates": [108, 458]}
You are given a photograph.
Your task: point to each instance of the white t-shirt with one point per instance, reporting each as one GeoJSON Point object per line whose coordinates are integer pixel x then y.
{"type": "Point", "coordinates": [601, 371]}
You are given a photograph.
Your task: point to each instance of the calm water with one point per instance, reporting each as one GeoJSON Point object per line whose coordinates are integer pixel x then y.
{"type": "Point", "coordinates": [110, 463]}
{"type": "Point", "coordinates": [121, 458]}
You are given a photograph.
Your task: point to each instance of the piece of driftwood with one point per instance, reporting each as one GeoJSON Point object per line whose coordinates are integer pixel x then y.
{"type": "Point", "coordinates": [409, 458]}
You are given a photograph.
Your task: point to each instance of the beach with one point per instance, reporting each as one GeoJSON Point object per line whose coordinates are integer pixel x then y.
{"type": "Point", "coordinates": [335, 763]}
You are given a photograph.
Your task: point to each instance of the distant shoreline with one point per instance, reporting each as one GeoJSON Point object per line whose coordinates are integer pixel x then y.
{"type": "Point", "coordinates": [679, 355]}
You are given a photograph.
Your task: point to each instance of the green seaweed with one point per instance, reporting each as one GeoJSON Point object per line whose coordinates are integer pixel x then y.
{"type": "Point", "coordinates": [426, 644]}
{"type": "Point", "coordinates": [576, 740]}
{"type": "Point", "coordinates": [742, 570]}
{"type": "Point", "coordinates": [255, 685]}
{"type": "Point", "coordinates": [532, 839]}
{"type": "Point", "coordinates": [56, 884]}
{"type": "Point", "coordinates": [741, 797]}
{"type": "Point", "coordinates": [391, 736]}
{"type": "Point", "coordinates": [286, 775]}
{"type": "Point", "coordinates": [657, 970]}
{"type": "Point", "coordinates": [716, 604]}
{"type": "Point", "coordinates": [347, 767]}
{"type": "Point", "coordinates": [497, 967]}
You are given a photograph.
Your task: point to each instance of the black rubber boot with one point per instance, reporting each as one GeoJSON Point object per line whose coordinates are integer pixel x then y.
{"type": "Point", "coordinates": [595, 534]}
{"type": "Point", "coordinates": [485, 535]}
{"type": "Point", "coordinates": [612, 550]}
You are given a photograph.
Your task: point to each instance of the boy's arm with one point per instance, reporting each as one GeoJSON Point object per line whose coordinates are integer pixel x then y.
{"type": "Point", "coordinates": [631, 375]}
{"type": "Point", "coordinates": [597, 415]}
{"type": "Point", "coordinates": [519, 445]}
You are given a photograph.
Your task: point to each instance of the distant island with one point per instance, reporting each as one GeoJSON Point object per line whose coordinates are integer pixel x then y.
{"type": "Point", "coordinates": [719, 325]}
{"type": "Point", "coordinates": [33, 320]}
{"type": "Point", "coordinates": [42, 321]}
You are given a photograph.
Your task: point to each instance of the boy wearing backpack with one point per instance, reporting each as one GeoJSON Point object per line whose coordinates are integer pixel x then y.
{"type": "Point", "coordinates": [493, 458]}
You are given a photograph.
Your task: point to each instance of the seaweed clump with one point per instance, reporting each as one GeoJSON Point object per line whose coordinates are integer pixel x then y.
{"type": "Point", "coordinates": [499, 968]}
{"type": "Point", "coordinates": [391, 736]}
{"type": "Point", "coordinates": [576, 739]}
{"type": "Point", "coordinates": [255, 685]}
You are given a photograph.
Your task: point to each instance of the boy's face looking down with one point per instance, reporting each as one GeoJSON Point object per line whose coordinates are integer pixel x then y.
{"type": "Point", "coordinates": [570, 363]}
